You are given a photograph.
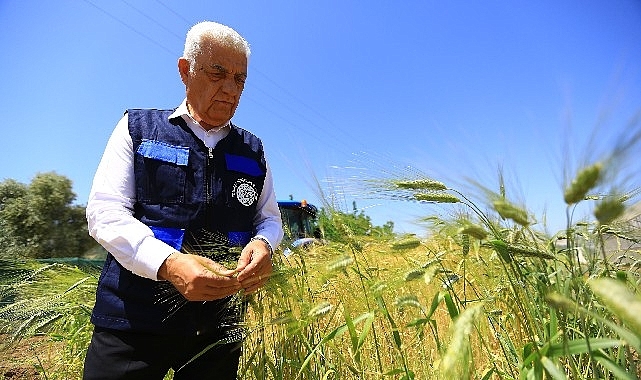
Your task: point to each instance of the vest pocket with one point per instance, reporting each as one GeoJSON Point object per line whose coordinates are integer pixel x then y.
{"type": "Point", "coordinates": [163, 170]}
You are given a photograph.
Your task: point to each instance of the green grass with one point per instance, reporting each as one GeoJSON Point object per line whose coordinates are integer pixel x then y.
{"type": "Point", "coordinates": [51, 301]}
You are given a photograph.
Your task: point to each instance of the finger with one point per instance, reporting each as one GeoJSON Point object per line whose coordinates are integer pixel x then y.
{"type": "Point", "coordinates": [223, 272]}
{"type": "Point", "coordinates": [208, 280]}
{"type": "Point", "coordinates": [216, 268]}
{"type": "Point", "coordinates": [209, 294]}
{"type": "Point", "coordinates": [218, 288]}
{"type": "Point", "coordinates": [248, 252]}
{"type": "Point", "coordinates": [261, 265]}
{"type": "Point", "coordinates": [217, 281]}
{"type": "Point", "coordinates": [245, 258]}
{"type": "Point", "coordinates": [254, 251]}
{"type": "Point", "coordinates": [210, 288]}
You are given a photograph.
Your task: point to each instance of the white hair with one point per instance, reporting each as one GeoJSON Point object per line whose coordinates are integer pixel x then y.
{"type": "Point", "coordinates": [222, 34]}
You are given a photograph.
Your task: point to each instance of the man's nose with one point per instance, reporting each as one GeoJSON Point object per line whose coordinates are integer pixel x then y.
{"type": "Point", "coordinates": [230, 86]}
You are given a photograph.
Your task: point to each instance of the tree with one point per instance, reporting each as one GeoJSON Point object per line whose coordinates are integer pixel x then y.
{"type": "Point", "coordinates": [9, 191]}
{"type": "Point", "coordinates": [336, 224]}
{"type": "Point", "coordinates": [39, 220]}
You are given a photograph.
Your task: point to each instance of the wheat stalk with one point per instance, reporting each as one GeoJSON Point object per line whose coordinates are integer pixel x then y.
{"type": "Point", "coordinates": [619, 299]}
{"type": "Point", "coordinates": [455, 361]}
{"type": "Point", "coordinates": [585, 180]}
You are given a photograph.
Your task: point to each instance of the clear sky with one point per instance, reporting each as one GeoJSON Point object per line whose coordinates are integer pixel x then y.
{"type": "Point", "coordinates": [454, 89]}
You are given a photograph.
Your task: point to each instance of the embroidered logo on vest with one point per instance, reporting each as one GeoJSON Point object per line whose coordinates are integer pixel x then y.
{"type": "Point", "coordinates": [245, 191]}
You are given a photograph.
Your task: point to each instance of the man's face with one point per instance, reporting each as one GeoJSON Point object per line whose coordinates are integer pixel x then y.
{"type": "Point", "coordinates": [215, 84]}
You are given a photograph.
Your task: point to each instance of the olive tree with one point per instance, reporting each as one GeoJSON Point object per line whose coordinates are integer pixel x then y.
{"type": "Point", "coordinates": [39, 220]}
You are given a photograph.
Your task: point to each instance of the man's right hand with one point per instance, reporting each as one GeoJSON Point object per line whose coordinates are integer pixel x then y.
{"type": "Point", "coordinates": [198, 278]}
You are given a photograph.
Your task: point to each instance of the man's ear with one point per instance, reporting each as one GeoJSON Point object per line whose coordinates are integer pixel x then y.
{"type": "Point", "coordinates": [183, 69]}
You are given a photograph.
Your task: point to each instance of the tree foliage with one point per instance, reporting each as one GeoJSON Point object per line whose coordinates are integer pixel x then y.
{"type": "Point", "coordinates": [335, 225]}
{"type": "Point", "coordinates": [39, 220]}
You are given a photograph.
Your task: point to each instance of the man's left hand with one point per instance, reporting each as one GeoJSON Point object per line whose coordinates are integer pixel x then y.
{"type": "Point", "coordinates": [254, 266]}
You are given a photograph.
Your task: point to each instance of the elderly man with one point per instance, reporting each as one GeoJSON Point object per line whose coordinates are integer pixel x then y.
{"type": "Point", "coordinates": [175, 192]}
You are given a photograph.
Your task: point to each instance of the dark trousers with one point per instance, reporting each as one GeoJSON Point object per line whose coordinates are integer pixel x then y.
{"type": "Point", "coordinates": [124, 355]}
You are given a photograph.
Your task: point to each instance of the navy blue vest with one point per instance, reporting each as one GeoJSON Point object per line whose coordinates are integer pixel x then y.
{"type": "Point", "coordinates": [196, 199]}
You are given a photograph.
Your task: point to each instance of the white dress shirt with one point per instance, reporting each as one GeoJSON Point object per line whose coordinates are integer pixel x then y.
{"type": "Point", "coordinates": [112, 197]}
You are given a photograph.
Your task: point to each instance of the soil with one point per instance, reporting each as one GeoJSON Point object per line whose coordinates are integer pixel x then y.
{"type": "Point", "coordinates": [20, 361]}
{"type": "Point", "coordinates": [19, 373]}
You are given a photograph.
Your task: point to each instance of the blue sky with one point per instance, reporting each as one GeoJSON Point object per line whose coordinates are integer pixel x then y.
{"type": "Point", "coordinates": [454, 89]}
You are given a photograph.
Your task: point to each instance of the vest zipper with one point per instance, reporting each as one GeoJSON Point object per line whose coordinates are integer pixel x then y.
{"type": "Point", "coordinates": [208, 165]}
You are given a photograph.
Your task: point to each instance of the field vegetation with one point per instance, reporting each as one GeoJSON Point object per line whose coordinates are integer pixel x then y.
{"type": "Point", "coordinates": [486, 295]}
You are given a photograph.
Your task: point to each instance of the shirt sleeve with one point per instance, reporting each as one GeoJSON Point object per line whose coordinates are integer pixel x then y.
{"type": "Point", "coordinates": [110, 210]}
{"type": "Point", "coordinates": [268, 219]}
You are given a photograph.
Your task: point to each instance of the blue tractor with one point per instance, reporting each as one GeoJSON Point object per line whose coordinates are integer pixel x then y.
{"type": "Point", "coordinates": [299, 224]}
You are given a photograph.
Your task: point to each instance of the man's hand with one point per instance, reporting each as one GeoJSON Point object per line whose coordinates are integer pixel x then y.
{"type": "Point", "coordinates": [199, 278]}
{"type": "Point", "coordinates": [254, 266]}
